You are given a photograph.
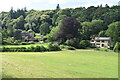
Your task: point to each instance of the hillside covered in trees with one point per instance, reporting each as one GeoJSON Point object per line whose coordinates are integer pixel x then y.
{"type": "Point", "coordinates": [70, 26]}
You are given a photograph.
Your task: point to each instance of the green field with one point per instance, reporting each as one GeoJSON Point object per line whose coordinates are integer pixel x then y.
{"type": "Point", "coordinates": [61, 64]}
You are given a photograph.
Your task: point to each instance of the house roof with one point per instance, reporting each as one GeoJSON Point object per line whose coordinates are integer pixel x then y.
{"type": "Point", "coordinates": [102, 38]}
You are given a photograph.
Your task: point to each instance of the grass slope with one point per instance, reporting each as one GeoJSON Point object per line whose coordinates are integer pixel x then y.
{"type": "Point", "coordinates": [62, 64]}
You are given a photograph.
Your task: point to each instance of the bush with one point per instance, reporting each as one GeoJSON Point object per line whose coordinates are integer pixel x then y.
{"type": "Point", "coordinates": [42, 48]}
{"type": "Point", "coordinates": [61, 41]}
{"type": "Point", "coordinates": [67, 47]}
{"type": "Point", "coordinates": [72, 42]}
{"type": "Point", "coordinates": [24, 43]}
{"type": "Point", "coordinates": [97, 49]}
{"type": "Point", "coordinates": [31, 42]}
{"type": "Point", "coordinates": [9, 40]}
{"type": "Point", "coordinates": [16, 42]}
{"type": "Point", "coordinates": [53, 47]}
{"type": "Point", "coordinates": [44, 39]}
{"type": "Point", "coordinates": [84, 44]}
{"type": "Point", "coordinates": [102, 49]}
{"type": "Point", "coordinates": [62, 46]}
{"type": "Point", "coordinates": [71, 48]}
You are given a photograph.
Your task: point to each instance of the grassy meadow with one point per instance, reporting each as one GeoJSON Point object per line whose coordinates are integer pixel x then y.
{"type": "Point", "coordinates": [60, 64]}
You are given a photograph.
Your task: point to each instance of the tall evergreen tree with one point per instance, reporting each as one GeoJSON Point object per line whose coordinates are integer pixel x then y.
{"type": "Point", "coordinates": [58, 7]}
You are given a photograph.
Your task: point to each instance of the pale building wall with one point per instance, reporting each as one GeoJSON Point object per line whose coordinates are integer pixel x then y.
{"type": "Point", "coordinates": [100, 43]}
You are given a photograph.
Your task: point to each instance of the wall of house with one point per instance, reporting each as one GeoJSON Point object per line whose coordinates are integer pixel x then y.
{"type": "Point", "coordinates": [100, 43]}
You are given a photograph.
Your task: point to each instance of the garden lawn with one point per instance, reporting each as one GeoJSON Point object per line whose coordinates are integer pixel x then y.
{"type": "Point", "coordinates": [61, 64]}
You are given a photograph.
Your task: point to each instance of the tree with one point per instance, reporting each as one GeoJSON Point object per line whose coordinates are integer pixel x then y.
{"type": "Point", "coordinates": [66, 12]}
{"type": "Point", "coordinates": [90, 29]}
{"type": "Point", "coordinates": [18, 35]}
{"type": "Point", "coordinates": [96, 26]}
{"type": "Point", "coordinates": [52, 34]}
{"type": "Point", "coordinates": [95, 22]}
{"type": "Point", "coordinates": [19, 24]}
{"type": "Point", "coordinates": [74, 42]}
{"type": "Point", "coordinates": [114, 32]}
{"type": "Point", "coordinates": [55, 16]}
{"type": "Point", "coordinates": [86, 30]}
{"type": "Point", "coordinates": [58, 7]}
{"type": "Point", "coordinates": [11, 13]}
{"type": "Point", "coordinates": [102, 34]}
{"type": "Point", "coordinates": [27, 27]}
{"type": "Point", "coordinates": [107, 6]}
{"type": "Point", "coordinates": [10, 30]}
{"type": "Point", "coordinates": [44, 28]}
{"type": "Point", "coordinates": [59, 19]}
{"type": "Point", "coordinates": [45, 18]}
{"type": "Point", "coordinates": [15, 14]}
{"type": "Point", "coordinates": [117, 47]}
{"type": "Point", "coordinates": [111, 16]}
{"type": "Point", "coordinates": [84, 44]}
{"type": "Point", "coordinates": [69, 28]}
{"type": "Point", "coordinates": [4, 33]}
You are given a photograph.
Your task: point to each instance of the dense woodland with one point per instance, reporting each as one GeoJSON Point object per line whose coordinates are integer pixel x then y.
{"type": "Point", "coordinates": [65, 26]}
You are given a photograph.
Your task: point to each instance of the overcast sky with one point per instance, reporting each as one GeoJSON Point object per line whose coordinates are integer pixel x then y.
{"type": "Point", "coordinates": [5, 5]}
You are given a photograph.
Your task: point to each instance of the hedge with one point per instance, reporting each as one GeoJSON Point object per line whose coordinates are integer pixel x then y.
{"type": "Point", "coordinates": [51, 47]}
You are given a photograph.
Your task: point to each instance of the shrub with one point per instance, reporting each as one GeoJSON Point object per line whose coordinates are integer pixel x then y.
{"type": "Point", "coordinates": [102, 49]}
{"type": "Point", "coordinates": [67, 47]}
{"type": "Point", "coordinates": [97, 49]}
{"type": "Point", "coordinates": [61, 41]}
{"type": "Point", "coordinates": [72, 42]}
{"type": "Point", "coordinates": [84, 44]}
{"type": "Point", "coordinates": [37, 49]}
{"type": "Point", "coordinates": [44, 39]}
{"type": "Point", "coordinates": [31, 42]}
{"type": "Point", "coordinates": [32, 49]}
{"type": "Point", "coordinates": [62, 46]}
{"type": "Point", "coordinates": [6, 42]}
{"type": "Point", "coordinates": [53, 47]}
{"type": "Point", "coordinates": [16, 42]}
{"type": "Point", "coordinates": [24, 43]}
{"type": "Point", "coordinates": [42, 48]}
{"type": "Point", "coordinates": [71, 48]}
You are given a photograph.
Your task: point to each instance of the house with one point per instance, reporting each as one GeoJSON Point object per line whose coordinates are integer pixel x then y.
{"type": "Point", "coordinates": [28, 36]}
{"type": "Point", "coordinates": [101, 42]}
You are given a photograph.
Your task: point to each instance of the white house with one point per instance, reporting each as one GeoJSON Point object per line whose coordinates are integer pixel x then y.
{"type": "Point", "coordinates": [101, 42]}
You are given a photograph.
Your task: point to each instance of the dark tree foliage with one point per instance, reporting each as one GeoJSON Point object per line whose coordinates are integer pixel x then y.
{"type": "Point", "coordinates": [69, 28]}
{"type": "Point", "coordinates": [17, 35]}
{"type": "Point", "coordinates": [15, 14]}
{"type": "Point", "coordinates": [58, 7]}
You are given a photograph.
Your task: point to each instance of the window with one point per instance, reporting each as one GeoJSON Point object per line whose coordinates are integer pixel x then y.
{"type": "Point", "coordinates": [98, 41]}
{"type": "Point", "coordinates": [102, 41]}
{"type": "Point", "coordinates": [92, 40]}
{"type": "Point", "coordinates": [97, 44]}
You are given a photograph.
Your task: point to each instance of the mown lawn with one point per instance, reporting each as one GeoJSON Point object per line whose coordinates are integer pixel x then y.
{"type": "Point", "coordinates": [61, 64]}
